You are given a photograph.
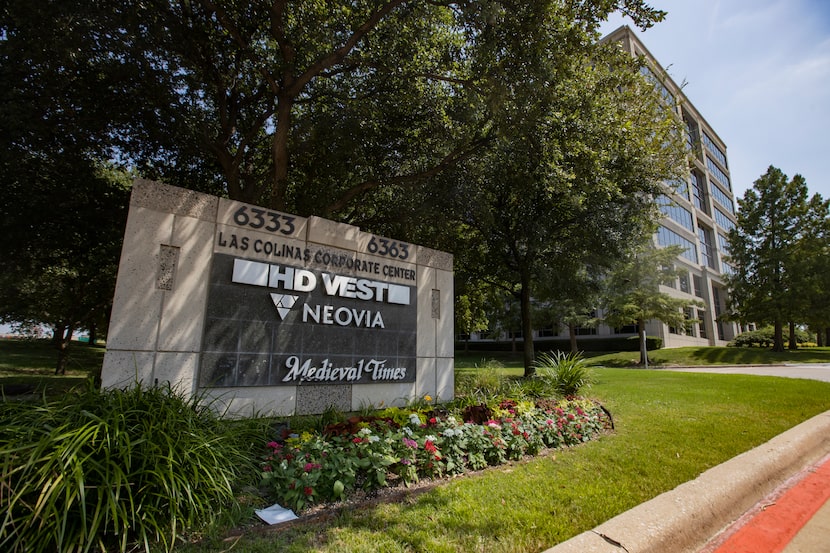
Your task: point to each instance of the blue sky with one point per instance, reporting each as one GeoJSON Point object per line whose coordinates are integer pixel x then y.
{"type": "Point", "coordinates": [759, 73]}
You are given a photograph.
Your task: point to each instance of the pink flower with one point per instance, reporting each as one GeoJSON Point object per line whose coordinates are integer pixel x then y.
{"type": "Point", "coordinates": [267, 468]}
{"type": "Point", "coordinates": [410, 443]}
{"type": "Point", "coordinates": [273, 445]}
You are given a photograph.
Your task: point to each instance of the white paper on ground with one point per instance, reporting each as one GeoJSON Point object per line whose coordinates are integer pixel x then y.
{"type": "Point", "coordinates": [275, 514]}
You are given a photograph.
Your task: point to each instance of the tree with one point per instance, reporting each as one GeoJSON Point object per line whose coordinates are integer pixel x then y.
{"type": "Point", "coordinates": [766, 285]}
{"type": "Point", "coordinates": [580, 145]}
{"type": "Point", "coordinates": [62, 232]}
{"type": "Point", "coordinates": [634, 296]}
{"type": "Point", "coordinates": [813, 254]}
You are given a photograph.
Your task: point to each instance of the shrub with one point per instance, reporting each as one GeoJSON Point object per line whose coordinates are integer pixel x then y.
{"type": "Point", "coordinates": [115, 470]}
{"type": "Point", "coordinates": [765, 337]}
{"type": "Point", "coordinates": [566, 373]}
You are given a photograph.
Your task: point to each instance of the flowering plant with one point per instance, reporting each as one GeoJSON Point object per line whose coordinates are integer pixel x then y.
{"type": "Point", "coordinates": [412, 445]}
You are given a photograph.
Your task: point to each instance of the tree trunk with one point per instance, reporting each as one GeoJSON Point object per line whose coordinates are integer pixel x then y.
{"type": "Point", "coordinates": [93, 335]}
{"type": "Point", "coordinates": [827, 336]}
{"type": "Point", "coordinates": [61, 339]}
{"type": "Point", "coordinates": [778, 339]}
{"type": "Point", "coordinates": [527, 326]}
{"type": "Point", "coordinates": [572, 337]}
{"type": "Point", "coordinates": [641, 332]}
{"type": "Point", "coordinates": [793, 341]}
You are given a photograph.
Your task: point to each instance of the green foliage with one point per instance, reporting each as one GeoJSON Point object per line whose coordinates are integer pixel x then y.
{"type": "Point", "coordinates": [765, 337]}
{"type": "Point", "coordinates": [316, 468]}
{"type": "Point", "coordinates": [773, 247]}
{"type": "Point", "coordinates": [566, 373]}
{"type": "Point", "coordinates": [119, 469]}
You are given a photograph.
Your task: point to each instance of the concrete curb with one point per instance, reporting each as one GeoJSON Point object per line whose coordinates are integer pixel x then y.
{"type": "Point", "coordinates": [684, 519]}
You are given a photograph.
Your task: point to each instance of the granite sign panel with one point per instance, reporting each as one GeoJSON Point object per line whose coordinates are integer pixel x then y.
{"type": "Point", "coordinates": [272, 312]}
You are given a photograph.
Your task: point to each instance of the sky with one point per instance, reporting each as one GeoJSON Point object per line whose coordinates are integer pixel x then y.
{"type": "Point", "coordinates": [758, 71]}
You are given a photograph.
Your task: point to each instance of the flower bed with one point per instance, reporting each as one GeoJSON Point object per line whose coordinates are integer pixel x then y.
{"type": "Point", "coordinates": [401, 446]}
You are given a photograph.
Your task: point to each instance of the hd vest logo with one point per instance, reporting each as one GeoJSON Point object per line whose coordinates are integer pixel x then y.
{"type": "Point", "coordinates": [302, 280]}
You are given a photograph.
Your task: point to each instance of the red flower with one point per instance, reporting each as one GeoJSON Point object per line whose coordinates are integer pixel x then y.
{"type": "Point", "coordinates": [267, 468]}
{"type": "Point", "coordinates": [429, 446]}
{"type": "Point", "coordinates": [433, 420]}
{"type": "Point", "coordinates": [308, 490]}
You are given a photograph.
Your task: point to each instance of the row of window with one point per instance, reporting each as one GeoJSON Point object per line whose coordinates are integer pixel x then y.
{"type": "Point", "coordinates": [719, 175]}
{"type": "Point", "coordinates": [722, 220]}
{"type": "Point", "coordinates": [714, 149]}
{"type": "Point", "coordinates": [676, 213]}
{"type": "Point", "coordinates": [667, 237]}
{"type": "Point", "coordinates": [668, 97]}
{"type": "Point", "coordinates": [722, 198]}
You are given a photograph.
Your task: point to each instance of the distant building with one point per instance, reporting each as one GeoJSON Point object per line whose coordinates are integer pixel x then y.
{"type": "Point", "coordinates": [697, 215]}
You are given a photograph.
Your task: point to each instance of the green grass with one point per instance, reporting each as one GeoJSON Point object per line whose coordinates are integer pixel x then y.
{"type": "Point", "coordinates": [663, 357]}
{"type": "Point", "coordinates": [31, 364]}
{"type": "Point", "coordinates": [670, 428]}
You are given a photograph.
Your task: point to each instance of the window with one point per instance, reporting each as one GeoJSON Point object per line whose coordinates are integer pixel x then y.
{"type": "Point", "coordinates": [717, 306]}
{"type": "Point", "coordinates": [714, 149]}
{"type": "Point", "coordinates": [691, 134]}
{"type": "Point", "coordinates": [684, 282]}
{"type": "Point", "coordinates": [707, 250]}
{"type": "Point", "coordinates": [676, 213]}
{"type": "Point", "coordinates": [721, 197]}
{"type": "Point", "coordinates": [723, 245]}
{"type": "Point", "coordinates": [699, 193]}
{"type": "Point", "coordinates": [719, 175]}
{"type": "Point", "coordinates": [548, 332]}
{"type": "Point", "coordinates": [698, 286]}
{"type": "Point", "coordinates": [668, 97]}
{"type": "Point", "coordinates": [680, 187]}
{"type": "Point", "coordinates": [723, 220]}
{"type": "Point", "coordinates": [627, 329]}
{"type": "Point", "coordinates": [666, 237]}
{"type": "Point", "coordinates": [701, 325]}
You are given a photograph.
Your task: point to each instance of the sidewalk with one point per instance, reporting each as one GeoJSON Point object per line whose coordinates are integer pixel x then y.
{"type": "Point", "coordinates": [770, 499]}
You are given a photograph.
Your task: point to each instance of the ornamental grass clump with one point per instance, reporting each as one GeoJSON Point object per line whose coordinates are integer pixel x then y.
{"type": "Point", "coordinates": [115, 470]}
{"type": "Point", "coordinates": [378, 452]}
{"type": "Point", "coordinates": [563, 373]}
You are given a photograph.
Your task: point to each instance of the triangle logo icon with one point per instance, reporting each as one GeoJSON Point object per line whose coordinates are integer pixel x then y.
{"type": "Point", "coordinates": [283, 303]}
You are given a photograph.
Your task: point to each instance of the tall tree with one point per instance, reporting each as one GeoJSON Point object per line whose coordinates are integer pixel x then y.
{"type": "Point", "coordinates": [581, 143]}
{"type": "Point", "coordinates": [634, 296]}
{"type": "Point", "coordinates": [763, 247]}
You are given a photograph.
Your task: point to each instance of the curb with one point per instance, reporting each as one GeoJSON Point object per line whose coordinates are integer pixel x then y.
{"type": "Point", "coordinates": [684, 519]}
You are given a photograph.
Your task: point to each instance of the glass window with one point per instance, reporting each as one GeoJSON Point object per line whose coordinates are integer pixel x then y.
{"type": "Point", "coordinates": [699, 193]}
{"type": "Point", "coordinates": [714, 149]}
{"type": "Point", "coordinates": [722, 198]}
{"type": "Point", "coordinates": [666, 237]}
{"type": "Point", "coordinates": [723, 220]}
{"type": "Point", "coordinates": [707, 250]}
{"type": "Point", "coordinates": [668, 97]}
{"type": "Point", "coordinates": [684, 282]}
{"type": "Point", "coordinates": [675, 212]}
{"type": "Point", "coordinates": [691, 134]}
{"type": "Point", "coordinates": [719, 175]}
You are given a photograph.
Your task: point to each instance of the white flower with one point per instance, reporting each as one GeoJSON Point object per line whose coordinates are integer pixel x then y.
{"type": "Point", "coordinates": [430, 438]}
{"type": "Point", "coordinates": [406, 430]}
{"type": "Point", "coordinates": [414, 418]}
{"type": "Point", "coordinates": [373, 439]}
{"type": "Point", "coordinates": [452, 421]}
{"type": "Point", "coordinates": [364, 432]}
{"type": "Point", "coordinates": [451, 432]}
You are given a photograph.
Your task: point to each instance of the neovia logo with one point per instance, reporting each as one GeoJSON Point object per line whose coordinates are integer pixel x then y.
{"type": "Point", "coordinates": [283, 303]}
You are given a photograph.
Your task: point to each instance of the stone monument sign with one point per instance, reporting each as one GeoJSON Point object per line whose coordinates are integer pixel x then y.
{"type": "Point", "coordinates": [267, 312]}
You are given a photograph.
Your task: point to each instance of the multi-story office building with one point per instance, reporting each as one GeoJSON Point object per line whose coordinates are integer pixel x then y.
{"type": "Point", "coordinates": [698, 214]}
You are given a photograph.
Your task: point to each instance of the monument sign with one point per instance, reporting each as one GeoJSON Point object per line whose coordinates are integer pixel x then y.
{"type": "Point", "coordinates": [264, 311]}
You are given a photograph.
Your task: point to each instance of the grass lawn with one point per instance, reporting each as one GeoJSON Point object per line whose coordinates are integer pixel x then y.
{"type": "Point", "coordinates": [31, 364]}
{"type": "Point", "coordinates": [670, 428]}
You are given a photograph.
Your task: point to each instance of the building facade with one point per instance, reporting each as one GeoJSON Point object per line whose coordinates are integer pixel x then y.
{"type": "Point", "coordinates": [698, 215]}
